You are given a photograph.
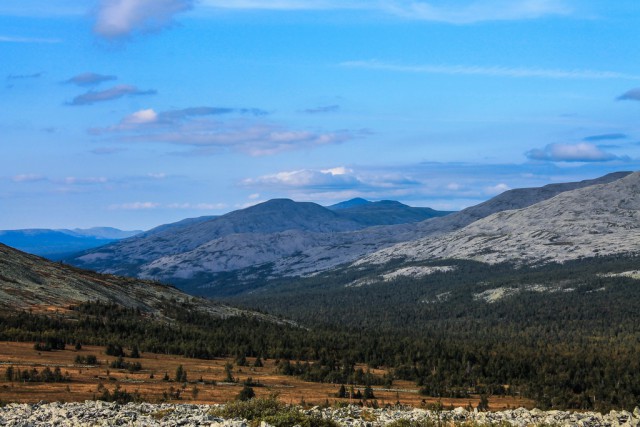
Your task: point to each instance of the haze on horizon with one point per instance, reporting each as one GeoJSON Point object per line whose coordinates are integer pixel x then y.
{"type": "Point", "coordinates": [134, 113]}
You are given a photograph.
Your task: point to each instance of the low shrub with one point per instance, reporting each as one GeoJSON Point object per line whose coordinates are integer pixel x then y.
{"type": "Point", "coordinates": [271, 411]}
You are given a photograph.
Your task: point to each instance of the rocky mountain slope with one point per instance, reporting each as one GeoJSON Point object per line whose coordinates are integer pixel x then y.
{"type": "Point", "coordinates": [56, 244]}
{"type": "Point", "coordinates": [28, 282]}
{"type": "Point", "coordinates": [602, 219]}
{"type": "Point", "coordinates": [284, 238]}
{"type": "Point", "coordinates": [265, 233]}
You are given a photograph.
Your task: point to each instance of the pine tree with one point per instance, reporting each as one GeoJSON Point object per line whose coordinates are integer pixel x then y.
{"type": "Point", "coordinates": [483, 405]}
{"type": "Point", "coordinates": [228, 371]}
{"type": "Point", "coordinates": [135, 353]}
{"type": "Point", "coordinates": [246, 393]}
{"type": "Point", "coordinates": [368, 392]}
{"type": "Point", "coordinates": [9, 374]}
{"type": "Point", "coordinates": [181, 374]}
{"type": "Point", "coordinates": [342, 392]}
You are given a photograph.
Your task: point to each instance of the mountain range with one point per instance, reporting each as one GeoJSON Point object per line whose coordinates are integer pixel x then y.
{"type": "Point", "coordinates": [280, 238]}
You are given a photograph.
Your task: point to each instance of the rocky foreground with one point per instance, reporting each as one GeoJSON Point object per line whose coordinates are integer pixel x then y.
{"type": "Point", "coordinates": [96, 413]}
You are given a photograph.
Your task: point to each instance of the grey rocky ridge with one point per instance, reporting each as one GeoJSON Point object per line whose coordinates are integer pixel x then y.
{"type": "Point", "coordinates": [598, 220]}
{"type": "Point", "coordinates": [282, 238]}
{"type": "Point", "coordinates": [28, 282]}
{"type": "Point", "coordinates": [97, 413]}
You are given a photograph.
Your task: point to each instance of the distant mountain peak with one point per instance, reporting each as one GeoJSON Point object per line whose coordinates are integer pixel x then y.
{"type": "Point", "coordinates": [358, 201]}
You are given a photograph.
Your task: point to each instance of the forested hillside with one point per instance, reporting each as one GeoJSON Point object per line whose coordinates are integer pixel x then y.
{"type": "Point", "coordinates": [564, 334]}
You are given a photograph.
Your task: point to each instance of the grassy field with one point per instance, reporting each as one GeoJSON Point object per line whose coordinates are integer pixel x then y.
{"type": "Point", "coordinates": [205, 382]}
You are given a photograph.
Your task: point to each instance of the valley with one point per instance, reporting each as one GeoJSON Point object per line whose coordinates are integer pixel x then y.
{"type": "Point", "coordinates": [319, 213]}
{"type": "Point", "coordinates": [448, 307]}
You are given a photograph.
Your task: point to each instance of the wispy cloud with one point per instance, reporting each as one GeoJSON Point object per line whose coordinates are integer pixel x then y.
{"type": "Point", "coordinates": [104, 151]}
{"type": "Point", "coordinates": [173, 116]}
{"type": "Point", "coordinates": [199, 127]}
{"type": "Point", "coordinates": [496, 189]}
{"type": "Point", "coordinates": [90, 79]}
{"type": "Point", "coordinates": [338, 177]}
{"type": "Point", "coordinates": [142, 206]}
{"type": "Point", "coordinates": [466, 12]}
{"type": "Point", "coordinates": [516, 72]}
{"type": "Point", "coordinates": [157, 175]}
{"type": "Point", "coordinates": [605, 137]}
{"type": "Point", "coordinates": [134, 206]}
{"type": "Point", "coordinates": [74, 180]}
{"type": "Point", "coordinates": [471, 12]}
{"type": "Point", "coordinates": [122, 18]}
{"type": "Point", "coordinates": [24, 76]}
{"type": "Point", "coordinates": [110, 94]}
{"type": "Point", "coordinates": [338, 182]}
{"type": "Point", "coordinates": [630, 95]}
{"type": "Point", "coordinates": [68, 180]}
{"type": "Point", "coordinates": [197, 206]}
{"type": "Point", "coordinates": [448, 186]}
{"type": "Point", "coordinates": [322, 110]}
{"type": "Point", "coordinates": [580, 152]}
{"type": "Point", "coordinates": [149, 118]}
{"type": "Point", "coordinates": [28, 177]}
{"type": "Point", "coordinates": [14, 39]}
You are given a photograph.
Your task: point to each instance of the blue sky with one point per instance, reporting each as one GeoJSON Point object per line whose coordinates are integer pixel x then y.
{"type": "Point", "coordinates": [134, 113]}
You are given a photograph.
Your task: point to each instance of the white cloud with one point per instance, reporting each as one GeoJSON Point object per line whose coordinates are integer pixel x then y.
{"type": "Point", "coordinates": [306, 178]}
{"type": "Point", "coordinates": [28, 177]}
{"type": "Point", "coordinates": [337, 171]}
{"type": "Point", "coordinates": [135, 206]}
{"type": "Point", "coordinates": [141, 117]}
{"type": "Point", "coordinates": [515, 72]}
{"type": "Point", "coordinates": [438, 185]}
{"type": "Point", "coordinates": [197, 206]}
{"type": "Point", "coordinates": [121, 18]}
{"type": "Point", "coordinates": [580, 152]}
{"type": "Point", "coordinates": [157, 175]}
{"type": "Point", "coordinates": [254, 196]}
{"type": "Point", "coordinates": [496, 189]}
{"type": "Point", "coordinates": [465, 12]}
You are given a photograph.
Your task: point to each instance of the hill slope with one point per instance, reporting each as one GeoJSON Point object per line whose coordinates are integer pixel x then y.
{"type": "Point", "coordinates": [28, 282]}
{"type": "Point", "coordinates": [602, 219]}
